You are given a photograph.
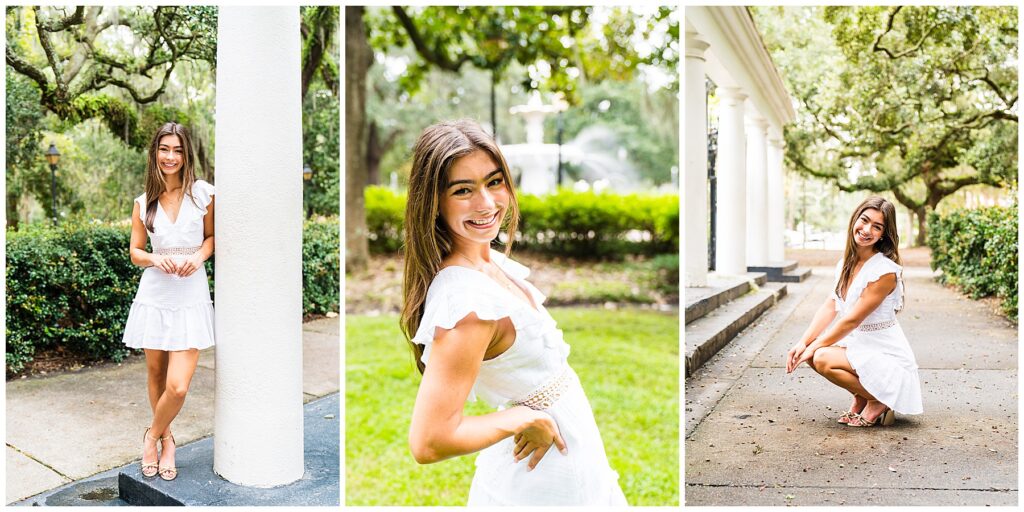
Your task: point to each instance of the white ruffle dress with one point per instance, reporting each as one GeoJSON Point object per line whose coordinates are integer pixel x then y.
{"type": "Point", "coordinates": [534, 372]}
{"type": "Point", "coordinates": [171, 312]}
{"type": "Point", "coordinates": [877, 349]}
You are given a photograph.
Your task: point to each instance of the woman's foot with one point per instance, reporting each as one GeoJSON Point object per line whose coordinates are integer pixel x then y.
{"type": "Point", "coordinates": [855, 408]}
{"type": "Point", "coordinates": [167, 470]}
{"type": "Point", "coordinates": [874, 412]}
{"type": "Point", "coordinates": [150, 457]}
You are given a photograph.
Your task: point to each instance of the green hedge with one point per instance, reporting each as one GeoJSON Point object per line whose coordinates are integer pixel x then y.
{"type": "Point", "coordinates": [977, 251]}
{"type": "Point", "coordinates": [580, 224]}
{"type": "Point", "coordinates": [71, 286]}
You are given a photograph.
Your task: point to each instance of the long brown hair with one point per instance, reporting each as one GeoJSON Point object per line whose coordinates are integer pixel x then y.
{"type": "Point", "coordinates": [889, 244]}
{"type": "Point", "coordinates": [427, 239]}
{"type": "Point", "coordinates": [155, 183]}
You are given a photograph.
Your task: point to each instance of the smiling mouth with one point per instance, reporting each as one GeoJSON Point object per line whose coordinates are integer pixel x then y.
{"type": "Point", "coordinates": [484, 223]}
{"type": "Point", "coordinates": [863, 237]}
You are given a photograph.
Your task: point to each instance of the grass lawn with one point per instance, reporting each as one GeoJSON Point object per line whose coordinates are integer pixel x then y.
{"type": "Point", "coordinates": [627, 360]}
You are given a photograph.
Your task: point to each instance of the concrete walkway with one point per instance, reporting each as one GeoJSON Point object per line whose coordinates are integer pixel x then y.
{"type": "Point", "coordinates": [66, 427]}
{"type": "Point", "coordinates": [757, 436]}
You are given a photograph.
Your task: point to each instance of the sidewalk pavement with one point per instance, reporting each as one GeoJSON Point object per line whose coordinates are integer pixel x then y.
{"type": "Point", "coordinates": [68, 426]}
{"type": "Point", "coordinates": [757, 436]}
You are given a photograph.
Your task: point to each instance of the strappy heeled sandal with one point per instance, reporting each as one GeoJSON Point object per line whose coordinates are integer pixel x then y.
{"type": "Point", "coordinates": [169, 473]}
{"type": "Point", "coordinates": [149, 469]}
{"type": "Point", "coordinates": [846, 417]}
{"type": "Point", "coordinates": [887, 418]}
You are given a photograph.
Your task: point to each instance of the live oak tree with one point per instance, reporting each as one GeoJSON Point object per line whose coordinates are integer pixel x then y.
{"type": "Point", "coordinates": [919, 101]}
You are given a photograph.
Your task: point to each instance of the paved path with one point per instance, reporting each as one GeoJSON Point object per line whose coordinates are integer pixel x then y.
{"type": "Point", "coordinates": [68, 426]}
{"type": "Point", "coordinates": [757, 436]}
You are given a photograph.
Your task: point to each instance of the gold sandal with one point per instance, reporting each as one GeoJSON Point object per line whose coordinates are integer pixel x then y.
{"type": "Point", "coordinates": [169, 473]}
{"type": "Point", "coordinates": [149, 469]}
{"type": "Point", "coordinates": [887, 418]}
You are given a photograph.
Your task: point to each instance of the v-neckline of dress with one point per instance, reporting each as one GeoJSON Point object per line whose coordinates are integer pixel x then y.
{"type": "Point", "coordinates": [166, 215]}
{"type": "Point", "coordinates": [849, 285]}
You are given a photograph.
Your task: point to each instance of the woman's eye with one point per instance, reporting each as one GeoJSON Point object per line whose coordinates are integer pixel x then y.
{"type": "Point", "coordinates": [461, 192]}
{"type": "Point", "coordinates": [495, 182]}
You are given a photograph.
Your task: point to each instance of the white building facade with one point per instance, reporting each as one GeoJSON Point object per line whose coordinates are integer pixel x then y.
{"type": "Point", "coordinates": [723, 45]}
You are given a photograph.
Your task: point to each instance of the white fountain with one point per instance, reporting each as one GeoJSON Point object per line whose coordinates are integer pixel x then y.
{"type": "Point", "coordinates": [592, 151]}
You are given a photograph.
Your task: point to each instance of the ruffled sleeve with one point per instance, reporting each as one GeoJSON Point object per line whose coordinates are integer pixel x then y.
{"type": "Point", "coordinates": [203, 193]}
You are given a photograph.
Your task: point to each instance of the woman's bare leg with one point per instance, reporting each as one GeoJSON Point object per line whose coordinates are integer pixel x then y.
{"type": "Point", "coordinates": [831, 363]}
{"type": "Point", "coordinates": [156, 376]}
{"type": "Point", "coordinates": [181, 366]}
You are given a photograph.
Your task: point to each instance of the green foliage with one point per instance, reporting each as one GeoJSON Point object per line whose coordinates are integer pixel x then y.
{"type": "Point", "coordinates": [321, 149]}
{"type": "Point", "coordinates": [385, 219]}
{"type": "Point", "coordinates": [977, 251]}
{"type": "Point", "coordinates": [68, 286]}
{"type": "Point", "coordinates": [580, 224]}
{"type": "Point", "coordinates": [637, 412]}
{"type": "Point", "coordinates": [25, 168]}
{"type": "Point", "coordinates": [321, 265]}
{"type": "Point", "coordinates": [71, 286]}
{"type": "Point", "coordinates": [915, 100]}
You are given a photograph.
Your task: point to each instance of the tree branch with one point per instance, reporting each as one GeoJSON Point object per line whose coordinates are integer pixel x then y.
{"type": "Point", "coordinates": [876, 47]}
{"type": "Point", "coordinates": [63, 23]}
{"type": "Point", "coordinates": [25, 68]}
{"type": "Point", "coordinates": [429, 55]}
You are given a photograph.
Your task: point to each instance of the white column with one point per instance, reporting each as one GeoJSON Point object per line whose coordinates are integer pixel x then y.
{"type": "Point", "coordinates": [731, 250]}
{"type": "Point", "coordinates": [258, 405]}
{"type": "Point", "coordinates": [757, 191]}
{"type": "Point", "coordinates": [695, 184]}
{"type": "Point", "coordinates": [776, 202]}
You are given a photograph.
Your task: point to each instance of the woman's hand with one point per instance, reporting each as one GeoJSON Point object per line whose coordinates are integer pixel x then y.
{"type": "Point", "coordinates": [793, 356]}
{"type": "Point", "coordinates": [165, 263]}
{"type": "Point", "coordinates": [190, 265]}
{"type": "Point", "coordinates": [536, 439]}
{"type": "Point", "coordinates": [805, 356]}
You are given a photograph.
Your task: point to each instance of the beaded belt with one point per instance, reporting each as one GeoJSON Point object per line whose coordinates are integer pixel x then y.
{"type": "Point", "coordinates": [177, 251]}
{"type": "Point", "coordinates": [546, 396]}
{"type": "Point", "coordinates": [877, 327]}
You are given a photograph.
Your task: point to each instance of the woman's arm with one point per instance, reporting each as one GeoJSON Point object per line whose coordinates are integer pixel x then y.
{"type": "Point", "coordinates": [440, 430]}
{"type": "Point", "coordinates": [826, 312]}
{"type": "Point", "coordinates": [137, 247]}
{"type": "Point", "coordinates": [869, 300]}
{"type": "Point", "coordinates": [193, 262]}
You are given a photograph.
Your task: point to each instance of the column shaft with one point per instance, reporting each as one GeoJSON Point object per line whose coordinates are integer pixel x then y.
{"type": "Point", "coordinates": [258, 426]}
{"type": "Point", "coordinates": [776, 203]}
{"type": "Point", "coordinates": [757, 192]}
{"type": "Point", "coordinates": [731, 250]}
{"type": "Point", "coordinates": [695, 184]}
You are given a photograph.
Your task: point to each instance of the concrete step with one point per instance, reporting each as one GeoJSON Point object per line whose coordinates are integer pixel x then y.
{"type": "Point", "coordinates": [795, 276]}
{"type": "Point", "coordinates": [720, 290]}
{"type": "Point", "coordinates": [706, 336]}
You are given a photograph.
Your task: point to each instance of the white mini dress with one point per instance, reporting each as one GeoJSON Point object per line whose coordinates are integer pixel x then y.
{"type": "Point", "coordinates": [170, 312]}
{"type": "Point", "coordinates": [877, 349]}
{"type": "Point", "coordinates": [534, 372]}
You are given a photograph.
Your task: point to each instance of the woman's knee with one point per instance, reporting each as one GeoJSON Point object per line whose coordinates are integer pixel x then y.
{"type": "Point", "coordinates": [820, 361]}
{"type": "Point", "coordinates": [177, 389]}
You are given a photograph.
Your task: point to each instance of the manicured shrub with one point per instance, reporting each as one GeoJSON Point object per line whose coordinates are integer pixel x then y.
{"type": "Point", "coordinates": [568, 223]}
{"type": "Point", "coordinates": [321, 266]}
{"type": "Point", "coordinates": [977, 251]}
{"type": "Point", "coordinates": [71, 286]}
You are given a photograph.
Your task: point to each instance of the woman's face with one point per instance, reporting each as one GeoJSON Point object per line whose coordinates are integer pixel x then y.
{"type": "Point", "coordinates": [474, 201]}
{"type": "Point", "coordinates": [170, 154]}
{"type": "Point", "coordinates": [868, 228]}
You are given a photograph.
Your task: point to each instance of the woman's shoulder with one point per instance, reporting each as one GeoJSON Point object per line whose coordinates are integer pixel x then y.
{"type": "Point", "coordinates": [884, 265]}
{"type": "Point", "coordinates": [203, 193]}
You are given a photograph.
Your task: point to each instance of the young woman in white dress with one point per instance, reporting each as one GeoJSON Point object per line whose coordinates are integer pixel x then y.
{"type": "Point", "coordinates": [171, 317]}
{"type": "Point", "coordinates": [479, 329]}
{"type": "Point", "coordinates": [865, 351]}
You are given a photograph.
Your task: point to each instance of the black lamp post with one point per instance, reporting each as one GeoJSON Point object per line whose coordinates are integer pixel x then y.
{"type": "Point", "coordinates": [52, 157]}
{"type": "Point", "coordinates": [307, 177]}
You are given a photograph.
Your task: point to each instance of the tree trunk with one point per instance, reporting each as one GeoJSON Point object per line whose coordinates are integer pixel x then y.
{"type": "Point", "coordinates": [921, 213]}
{"type": "Point", "coordinates": [358, 58]}
{"type": "Point", "coordinates": [12, 210]}
{"type": "Point", "coordinates": [374, 152]}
